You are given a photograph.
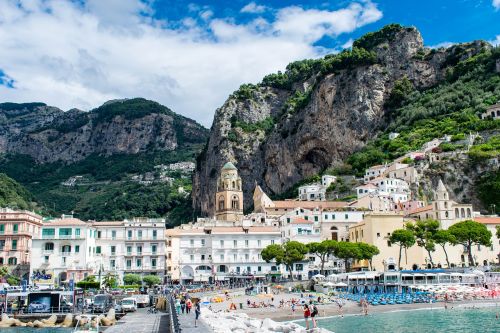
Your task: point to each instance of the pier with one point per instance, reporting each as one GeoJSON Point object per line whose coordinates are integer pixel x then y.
{"type": "Point", "coordinates": [142, 322]}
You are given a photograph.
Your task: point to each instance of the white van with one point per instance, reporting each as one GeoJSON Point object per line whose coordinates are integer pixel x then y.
{"type": "Point", "coordinates": [129, 304]}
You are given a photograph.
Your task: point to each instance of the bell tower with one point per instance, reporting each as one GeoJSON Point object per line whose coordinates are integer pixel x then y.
{"type": "Point", "coordinates": [442, 206]}
{"type": "Point", "coordinates": [229, 196]}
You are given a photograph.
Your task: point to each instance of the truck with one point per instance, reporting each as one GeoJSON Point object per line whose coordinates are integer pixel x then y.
{"type": "Point", "coordinates": [142, 300]}
{"type": "Point", "coordinates": [129, 304]}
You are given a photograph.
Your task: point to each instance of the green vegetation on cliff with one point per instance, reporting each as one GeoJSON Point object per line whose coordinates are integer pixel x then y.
{"type": "Point", "coordinates": [13, 194]}
{"type": "Point", "coordinates": [451, 108]}
{"type": "Point", "coordinates": [107, 193]}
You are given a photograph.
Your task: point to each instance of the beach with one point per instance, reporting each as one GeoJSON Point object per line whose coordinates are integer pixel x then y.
{"type": "Point", "coordinates": [285, 313]}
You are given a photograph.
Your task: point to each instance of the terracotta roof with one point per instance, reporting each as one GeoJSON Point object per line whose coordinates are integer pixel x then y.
{"type": "Point", "coordinates": [308, 204]}
{"type": "Point", "coordinates": [66, 221]}
{"type": "Point", "coordinates": [421, 209]}
{"type": "Point", "coordinates": [488, 220]}
{"type": "Point", "coordinates": [300, 220]}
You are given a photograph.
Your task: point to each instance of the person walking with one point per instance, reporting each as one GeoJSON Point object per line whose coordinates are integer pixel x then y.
{"type": "Point", "coordinates": [307, 314]}
{"type": "Point", "coordinates": [197, 312]}
{"type": "Point", "coordinates": [178, 306]}
{"type": "Point", "coordinates": [314, 312]}
{"type": "Point", "coordinates": [189, 304]}
{"type": "Point", "coordinates": [183, 305]}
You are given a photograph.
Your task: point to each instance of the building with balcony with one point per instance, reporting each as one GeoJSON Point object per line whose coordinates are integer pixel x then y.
{"type": "Point", "coordinates": [65, 250]}
{"type": "Point", "coordinates": [17, 230]}
{"type": "Point", "coordinates": [208, 253]}
{"type": "Point", "coordinates": [135, 246]}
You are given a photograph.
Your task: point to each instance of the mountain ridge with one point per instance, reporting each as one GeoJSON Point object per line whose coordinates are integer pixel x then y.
{"type": "Point", "coordinates": [319, 112]}
{"type": "Point", "coordinates": [129, 126]}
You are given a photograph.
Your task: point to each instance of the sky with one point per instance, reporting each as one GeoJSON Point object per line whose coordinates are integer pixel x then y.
{"type": "Point", "coordinates": [190, 55]}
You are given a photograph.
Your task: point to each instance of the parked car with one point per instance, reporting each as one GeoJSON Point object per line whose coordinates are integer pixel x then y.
{"type": "Point", "coordinates": [129, 304]}
{"type": "Point", "coordinates": [36, 306]}
{"type": "Point", "coordinates": [102, 303]}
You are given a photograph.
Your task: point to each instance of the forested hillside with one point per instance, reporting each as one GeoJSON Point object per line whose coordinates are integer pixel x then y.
{"type": "Point", "coordinates": [105, 164]}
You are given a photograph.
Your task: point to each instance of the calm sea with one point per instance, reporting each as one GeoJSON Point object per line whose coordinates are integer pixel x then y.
{"type": "Point", "coordinates": [482, 320]}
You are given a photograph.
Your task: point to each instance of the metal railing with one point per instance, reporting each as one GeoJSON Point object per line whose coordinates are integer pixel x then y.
{"type": "Point", "coordinates": [175, 326]}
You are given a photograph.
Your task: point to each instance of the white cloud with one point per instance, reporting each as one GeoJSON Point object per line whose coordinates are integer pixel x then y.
{"type": "Point", "coordinates": [442, 44]}
{"type": "Point", "coordinates": [72, 55]}
{"type": "Point", "coordinates": [496, 4]}
{"type": "Point", "coordinates": [253, 8]}
{"type": "Point", "coordinates": [348, 44]}
{"type": "Point", "coordinates": [496, 41]}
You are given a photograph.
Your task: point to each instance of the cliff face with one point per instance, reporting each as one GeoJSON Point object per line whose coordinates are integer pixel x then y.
{"type": "Point", "coordinates": [275, 143]}
{"type": "Point", "coordinates": [119, 127]}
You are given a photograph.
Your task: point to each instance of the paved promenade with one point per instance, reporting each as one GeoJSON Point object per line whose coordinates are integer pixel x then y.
{"type": "Point", "coordinates": [187, 324]}
{"type": "Point", "coordinates": [142, 322]}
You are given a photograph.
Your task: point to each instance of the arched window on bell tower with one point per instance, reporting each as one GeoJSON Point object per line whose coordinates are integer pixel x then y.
{"type": "Point", "coordinates": [221, 203]}
{"type": "Point", "coordinates": [235, 202]}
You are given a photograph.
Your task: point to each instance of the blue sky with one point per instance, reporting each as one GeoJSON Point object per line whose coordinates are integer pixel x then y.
{"type": "Point", "coordinates": [190, 55]}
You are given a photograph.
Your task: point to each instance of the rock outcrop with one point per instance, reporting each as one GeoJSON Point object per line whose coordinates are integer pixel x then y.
{"type": "Point", "coordinates": [272, 141]}
{"type": "Point", "coordinates": [129, 126]}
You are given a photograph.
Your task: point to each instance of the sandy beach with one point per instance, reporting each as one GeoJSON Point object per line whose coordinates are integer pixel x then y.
{"type": "Point", "coordinates": [285, 313]}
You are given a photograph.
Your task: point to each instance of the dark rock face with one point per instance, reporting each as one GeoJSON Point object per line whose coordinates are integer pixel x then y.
{"type": "Point", "coordinates": [345, 109]}
{"type": "Point", "coordinates": [122, 127]}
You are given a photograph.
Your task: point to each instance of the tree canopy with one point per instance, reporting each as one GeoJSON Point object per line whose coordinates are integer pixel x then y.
{"type": "Point", "coordinates": [405, 239]}
{"type": "Point", "coordinates": [322, 250]}
{"type": "Point", "coordinates": [151, 280]}
{"type": "Point", "coordinates": [443, 237]}
{"type": "Point", "coordinates": [469, 233]}
{"type": "Point", "coordinates": [424, 232]}
{"type": "Point", "coordinates": [286, 254]}
{"type": "Point", "coordinates": [130, 279]}
{"type": "Point", "coordinates": [367, 252]}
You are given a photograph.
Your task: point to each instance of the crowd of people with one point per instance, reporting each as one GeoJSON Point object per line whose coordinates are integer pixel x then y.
{"type": "Point", "coordinates": [184, 303]}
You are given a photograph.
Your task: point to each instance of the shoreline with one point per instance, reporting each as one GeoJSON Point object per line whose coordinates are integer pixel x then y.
{"type": "Point", "coordinates": [349, 309]}
{"type": "Point", "coordinates": [419, 307]}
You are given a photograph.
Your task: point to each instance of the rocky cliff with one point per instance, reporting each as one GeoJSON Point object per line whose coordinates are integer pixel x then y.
{"type": "Point", "coordinates": [295, 124]}
{"type": "Point", "coordinates": [128, 126]}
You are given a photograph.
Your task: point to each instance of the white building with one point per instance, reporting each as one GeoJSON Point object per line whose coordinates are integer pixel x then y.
{"type": "Point", "coordinates": [374, 172]}
{"type": "Point", "coordinates": [316, 191]}
{"type": "Point", "coordinates": [492, 112]}
{"type": "Point", "coordinates": [135, 246]}
{"type": "Point", "coordinates": [327, 180]}
{"type": "Point", "coordinates": [209, 252]}
{"type": "Point", "coordinates": [312, 192]}
{"type": "Point", "coordinates": [366, 189]}
{"type": "Point", "coordinates": [66, 251]}
{"type": "Point", "coordinates": [397, 189]}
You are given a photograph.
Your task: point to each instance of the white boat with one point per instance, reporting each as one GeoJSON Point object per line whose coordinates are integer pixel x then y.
{"type": "Point", "coordinates": [85, 324]}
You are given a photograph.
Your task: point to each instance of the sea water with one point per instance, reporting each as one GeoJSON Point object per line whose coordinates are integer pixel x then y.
{"type": "Point", "coordinates": [482, 320]}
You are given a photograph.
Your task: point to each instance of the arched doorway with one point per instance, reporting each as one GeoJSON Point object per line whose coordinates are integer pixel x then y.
{"type": "Point", "coordinates": [335, 233]}
{"type": "Point", "coordinates": [187, 273]}
{"type": "Point", "coordinates": [63, 276]}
